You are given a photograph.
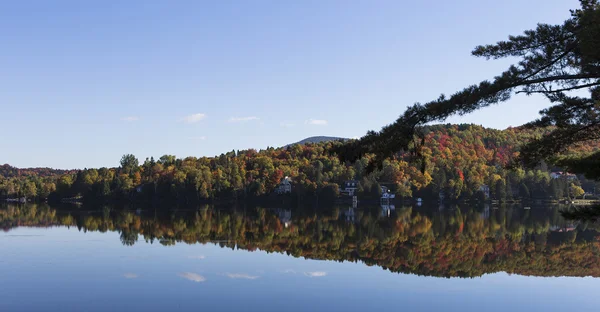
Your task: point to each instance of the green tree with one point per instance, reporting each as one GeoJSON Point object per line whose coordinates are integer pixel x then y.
{"type": "Point", "coordinates": [500, 192]}
{"type": "Point", "coordinates": [129, 164]}
{"type": "Point", "coordinates": [167, 160]}
{"type": "Point", "coordinates": [63, 185]}
{"type": "Point", "coordinates": [576, 190]}
{"type": "Point", "coordinates": [29, 189]}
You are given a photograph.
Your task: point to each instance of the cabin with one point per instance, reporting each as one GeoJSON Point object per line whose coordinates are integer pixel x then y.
{"type": "Point", "coordinates": [139, 188]}
{"type": "Point", "coordinates": [385, 193]}
{"type": "Point", "coordinates": [349, 187]}
{"type": "Point", "coordinates": [560, 174]}
{"type": "Point", "coordinates": [486, 191]}
{"type": "Point", "coordinates": [285, 186]}
{"type": "Point", "coordinates": [386, 196]}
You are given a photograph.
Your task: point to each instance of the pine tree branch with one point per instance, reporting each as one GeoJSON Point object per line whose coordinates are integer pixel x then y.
{"type": "Point", "coordinates": [562, 90]}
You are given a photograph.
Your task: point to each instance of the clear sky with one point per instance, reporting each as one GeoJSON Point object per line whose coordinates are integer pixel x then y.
{"type": "Point", "coordinates": [84, 82]}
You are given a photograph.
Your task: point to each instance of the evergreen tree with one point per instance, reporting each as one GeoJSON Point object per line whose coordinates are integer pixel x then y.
{"type": "Point", "coordinates": [553, 61]}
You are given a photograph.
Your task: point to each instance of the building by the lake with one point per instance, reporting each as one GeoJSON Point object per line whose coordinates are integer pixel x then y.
{"type": "Point", "coordinates": [285, 186]}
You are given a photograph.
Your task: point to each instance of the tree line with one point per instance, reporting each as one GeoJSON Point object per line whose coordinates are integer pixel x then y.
{"type": "Point", "coordinates": [455, 162]}
{"type": "Point", "coordinates": [454, 242]}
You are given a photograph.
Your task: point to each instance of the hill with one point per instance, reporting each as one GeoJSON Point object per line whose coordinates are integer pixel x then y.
{"type": "Point", "coordinates": [319, 139]}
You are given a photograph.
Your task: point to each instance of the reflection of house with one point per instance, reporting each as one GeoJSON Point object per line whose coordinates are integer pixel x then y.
{"type": "Point", "coordinates": [560, 229]}
{"type": "Point", "coordinates": [349, 188]}
{"type": "Point", "coordinates": [486, 212]}
{"type": "Point", "coordinates": [386, 210]}
{"type": "Point", "coordinates": [139, 188]}
{"type": "Point", "coordinates": [386, 196]}
{"type": "Point", "coordinates": [285, 217]}
{"type": "Point", "coordinates": [486, 191]}
{"type": "Point", "coordinates": [349, 214]}
{"type": "Point", "coordinates": [442, 195]}
{"type": "Point", "coordinates": [21, 200]}
{"type": "Point", "coordinates": [285, 186]}
{"type": "Point", "coordinates": [560, 174]}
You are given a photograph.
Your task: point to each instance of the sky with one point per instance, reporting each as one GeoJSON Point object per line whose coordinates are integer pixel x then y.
{"type": "Point", "coordinates": [84, 82]}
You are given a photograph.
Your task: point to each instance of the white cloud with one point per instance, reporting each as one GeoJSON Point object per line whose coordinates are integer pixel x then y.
{"type": "Point", "coordinates": [288, 271]}
{"type": "Point", "coordinates": [193, 118]}
{"type": "Point", "coordinates": [200, 138]}
{"type": "Point", "coordinates": [315, 274]}
{"type": "Point", "coordinates": [130, 275]}
{"type": "Point", "coordinates": [197, 257]}
{"type": "Point", "coordinates": [286, 124]}
{"type": "Point", "coordinates": [192, 277]}
{"type": "Point", "coordinates": [243, 119]}
{"type": "Point", "coordinates": [317, 122]}
{"type": "Point", "coordinates": [130, 118]}
{"type": "Point", "coordinates": [241, 276]}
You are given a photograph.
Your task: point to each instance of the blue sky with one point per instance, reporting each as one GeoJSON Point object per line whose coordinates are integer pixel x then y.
{"type": "Point", "coordinates": [84, 82]}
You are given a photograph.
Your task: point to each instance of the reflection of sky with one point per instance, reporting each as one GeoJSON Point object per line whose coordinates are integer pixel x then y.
{"type": "Point", "coordinates": [65, 270]}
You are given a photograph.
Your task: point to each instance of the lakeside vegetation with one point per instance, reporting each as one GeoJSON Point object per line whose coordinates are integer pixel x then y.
{"type": "Point", "coordinates": [452, 242]}
{"type": "Point", "coordinates": [460, 159]}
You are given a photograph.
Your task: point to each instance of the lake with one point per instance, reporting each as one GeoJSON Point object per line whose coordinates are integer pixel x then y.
{"type": "Point", "coordinates": [71, 258]}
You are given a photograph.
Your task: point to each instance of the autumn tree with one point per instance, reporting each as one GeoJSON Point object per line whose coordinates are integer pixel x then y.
{"type": "Point", "coordinates": [129, 164]}
{"type": "Point", "coordinates": [576, 190]}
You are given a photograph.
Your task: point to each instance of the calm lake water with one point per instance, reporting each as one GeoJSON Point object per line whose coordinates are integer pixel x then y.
{"type": "Point", "coordinates": [301, 259]}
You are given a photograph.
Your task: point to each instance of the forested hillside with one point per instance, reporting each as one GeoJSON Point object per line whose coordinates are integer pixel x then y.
{"type": "Point", "coordinates": [456, 161]}
{"type": "Point", "coordinates": [319, 139]}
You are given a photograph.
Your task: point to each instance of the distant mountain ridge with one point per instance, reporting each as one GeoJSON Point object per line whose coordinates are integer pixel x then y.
{"type": "Point", "coordinates": [318, 139]}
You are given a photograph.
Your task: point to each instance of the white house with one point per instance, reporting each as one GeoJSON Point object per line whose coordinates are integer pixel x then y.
{"type": "Point", "coordinates": [386, 194]}
{"type": "Point", "coordinates": [349, 188]}
{"type": "Point", "coordinates": [560, 174]}
{"type": "Point", "coordinates": [486, 190]}
{"type": "Point", "coordinates": [285, 186]}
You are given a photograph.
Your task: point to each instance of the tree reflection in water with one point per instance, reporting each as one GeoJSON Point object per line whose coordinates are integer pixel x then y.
{"type": "Point", "coordinates": [582, 213]}
{"type": "Point", "coordinates": [433, 241]}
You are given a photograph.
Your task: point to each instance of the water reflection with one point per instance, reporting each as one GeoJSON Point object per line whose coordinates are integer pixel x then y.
{"type": "Point", "coordinates": [434, 241]}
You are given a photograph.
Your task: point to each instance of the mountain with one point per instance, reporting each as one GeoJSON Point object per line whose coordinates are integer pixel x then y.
{"type": "Point", "coordinates": [318, 139]}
